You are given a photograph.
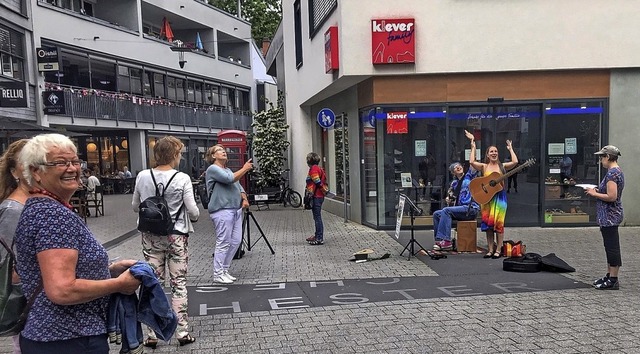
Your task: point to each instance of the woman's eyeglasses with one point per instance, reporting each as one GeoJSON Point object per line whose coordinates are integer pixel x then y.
{"type": "Point", "coordinates": [63, 163]}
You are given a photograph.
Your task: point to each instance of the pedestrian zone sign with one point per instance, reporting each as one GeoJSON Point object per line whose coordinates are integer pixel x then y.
{"type": "Point", "coordinates": [326, 118]}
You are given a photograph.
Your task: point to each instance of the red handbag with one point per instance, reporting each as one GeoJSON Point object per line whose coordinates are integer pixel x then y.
{"type": "Point", "coordinates": [513, 249]}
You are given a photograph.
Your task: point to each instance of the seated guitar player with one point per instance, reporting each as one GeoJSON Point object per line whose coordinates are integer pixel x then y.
{"type": "Point", "coordinates": [460, 206]}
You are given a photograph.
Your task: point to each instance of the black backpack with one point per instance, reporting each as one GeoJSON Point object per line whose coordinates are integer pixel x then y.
{"type": "Point", "coordinates": [154, 215]}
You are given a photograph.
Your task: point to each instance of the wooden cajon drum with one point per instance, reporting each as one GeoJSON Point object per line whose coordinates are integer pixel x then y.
{"type": "Point", "coordinates": [466, 231]}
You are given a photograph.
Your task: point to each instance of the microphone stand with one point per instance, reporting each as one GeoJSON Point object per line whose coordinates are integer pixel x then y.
{"type": "Point", "coordinates": [413, 212]}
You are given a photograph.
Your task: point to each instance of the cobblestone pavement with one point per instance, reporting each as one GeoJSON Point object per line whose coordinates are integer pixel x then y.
{"type": "Point", "coordinates": [563, 321]}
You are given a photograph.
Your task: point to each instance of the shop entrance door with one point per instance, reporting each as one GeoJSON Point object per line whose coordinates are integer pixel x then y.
{"type": "Point", "coordinates": [493, 125]}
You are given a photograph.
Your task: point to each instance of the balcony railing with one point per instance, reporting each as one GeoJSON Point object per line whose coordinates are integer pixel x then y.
{"type": "Point", "coordinates": [113, 106]}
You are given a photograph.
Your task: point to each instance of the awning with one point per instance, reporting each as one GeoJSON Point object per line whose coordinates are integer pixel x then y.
{"type": "Point", "coordinates": [27, 129]}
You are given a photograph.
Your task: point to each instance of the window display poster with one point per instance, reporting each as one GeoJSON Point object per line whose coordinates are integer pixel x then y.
{"type": "Point", "coordinates": [556, 149]}
{"type": "Point", "coordinates": [570, 146]}
{"type": "Point", "coordinates": [421, 147]}
{"type": "Point", "coordinates": [467, 153]}
{"type": "Point", "coordinates": [406, 180]}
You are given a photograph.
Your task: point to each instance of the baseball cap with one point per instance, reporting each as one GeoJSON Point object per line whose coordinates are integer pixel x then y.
{"type": "Point", "coordinates": [609, 150]}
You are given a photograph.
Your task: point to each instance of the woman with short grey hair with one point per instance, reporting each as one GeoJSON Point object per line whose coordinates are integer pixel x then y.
{"type": "Point", "coordinates": [60, 262]}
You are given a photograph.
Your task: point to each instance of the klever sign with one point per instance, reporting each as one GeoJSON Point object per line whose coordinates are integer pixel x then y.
{"type": "Point", "coordinates": [397, 123]}
{"type": "Point", "coordinates": [47, 59]}
{"type": "Point", "coordinates": [331, 61]}
{"type": "Point", "coordinates": [13, 94]}
{"type": "Point", "coordinates": [393, 41]}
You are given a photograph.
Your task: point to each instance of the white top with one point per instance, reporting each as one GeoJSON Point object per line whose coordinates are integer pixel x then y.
{"type": "Point", "coordinates": [92, 182]}
{"type": "Point", "coordinates": [179, 192]}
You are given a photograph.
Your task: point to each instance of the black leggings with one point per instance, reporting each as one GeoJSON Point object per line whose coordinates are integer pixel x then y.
{"type": "Point", "coordinates": [611, 240]}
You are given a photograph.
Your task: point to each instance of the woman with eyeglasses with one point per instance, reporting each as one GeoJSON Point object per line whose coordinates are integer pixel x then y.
{"type": "Point", "coordinates": [59, 260]}
{"type": "Point", "coordinates": [169, 252]}
{"type": "Point", "coordinates": [228, 198]}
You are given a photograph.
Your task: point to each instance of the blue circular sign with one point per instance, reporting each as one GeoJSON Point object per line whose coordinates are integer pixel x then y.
{"type": "Point", "coordinates": [326, 118]}
{"type": "Point", "coordinates": [372, 118]}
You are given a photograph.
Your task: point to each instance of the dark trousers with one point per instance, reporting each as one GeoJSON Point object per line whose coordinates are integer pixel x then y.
{"type": "Point", "coordinates": [611, 240]}
{"type": "Point", "coordinates": [86, 345]}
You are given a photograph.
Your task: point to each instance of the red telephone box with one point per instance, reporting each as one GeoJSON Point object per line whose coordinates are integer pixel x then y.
{"type": "Point", "coordinates": [235, 141]}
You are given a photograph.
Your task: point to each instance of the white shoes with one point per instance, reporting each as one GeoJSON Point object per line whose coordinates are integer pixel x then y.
{"type": "Point", "coordinates": [397, 152]}
{"type": "Point", "coordinates": [222, 279]}
{"type": "Point", "coordinates": [229, 276]}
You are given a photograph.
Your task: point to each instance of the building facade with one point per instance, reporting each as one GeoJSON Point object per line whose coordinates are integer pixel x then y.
{"type": "Point", "coordinates": [406, 79]}
{"type": "Point", "coordinates": [117, 75]}
{"type": "Point", "coordinates": [17, 79]}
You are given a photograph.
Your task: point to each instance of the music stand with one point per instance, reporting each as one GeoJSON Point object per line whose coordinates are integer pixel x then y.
{"type": "Point", "coordinates": [413, 212]}
{"type": "Point", "coordinates": [248, 215]}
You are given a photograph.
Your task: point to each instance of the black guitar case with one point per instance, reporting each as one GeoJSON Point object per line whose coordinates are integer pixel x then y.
{"type": "Point", "coordinates": [529, 263]}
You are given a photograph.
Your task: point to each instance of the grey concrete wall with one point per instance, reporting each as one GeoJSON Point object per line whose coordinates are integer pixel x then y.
{"type": "Point", "coordinates": [624, 132]}
{"type": "Point", "coordinates": [137, 150]}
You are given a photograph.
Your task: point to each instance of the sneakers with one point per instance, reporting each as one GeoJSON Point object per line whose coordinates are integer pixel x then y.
{"type": "Point", "coordinates": [316, 242]}
{"type": "Point", "coordinates": [229, 276]}
{"type": "Point", "coordinates": [396, 161]}
{"type": "Point", "coordinates": [222, 279]}
{"type": "Point", "coordinates": [601, 280]}
{"type": "Point", "coordinates": [608, 284]}
{"type": "Point", "coordinates": [397, 152]}
{"type": "Point", "coordinates": [443, 245]}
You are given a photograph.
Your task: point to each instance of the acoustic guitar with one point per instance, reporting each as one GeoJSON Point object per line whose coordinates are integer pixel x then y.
{"type": "Point", "coordinates": [484, 188]}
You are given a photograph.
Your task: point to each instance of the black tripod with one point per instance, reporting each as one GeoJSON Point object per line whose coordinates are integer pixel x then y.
{"type": "Point", "coordinates": [248, 215]}
{"type": "Point", "coordinates": [413, 212]}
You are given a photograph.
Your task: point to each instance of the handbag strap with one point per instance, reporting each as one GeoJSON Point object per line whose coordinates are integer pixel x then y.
{"type": "Point", "coordinates": [39, 288]}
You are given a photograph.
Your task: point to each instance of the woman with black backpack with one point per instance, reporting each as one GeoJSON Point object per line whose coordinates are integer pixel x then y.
{"type": "Point", "coordinates": [171, 246]}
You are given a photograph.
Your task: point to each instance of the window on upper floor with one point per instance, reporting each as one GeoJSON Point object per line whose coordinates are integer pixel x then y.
{"type": "Point", "coordinates": [297, 23]}
{"type": "Point", "coordinates": [84, 7]}
{"type": "Point", "coordinates": [11, 53]}
{"type": "Point", "coordinates": [129, 80]}
{"type": "Point", "coordinates": [319, 11]}
{"type": "Point", "coordinates": [103, 75]}
{"type": "Point", "coordinates": [158, 85]}
{"type": "Point", "coordinates": [75, 70]}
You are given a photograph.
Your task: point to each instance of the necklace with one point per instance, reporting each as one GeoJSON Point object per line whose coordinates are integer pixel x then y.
{"type": "Point", "coordinates": [49, 194]}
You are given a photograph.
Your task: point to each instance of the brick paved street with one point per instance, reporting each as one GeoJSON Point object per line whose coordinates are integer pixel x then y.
{"type": "Point", "coordinates": [561, 321]}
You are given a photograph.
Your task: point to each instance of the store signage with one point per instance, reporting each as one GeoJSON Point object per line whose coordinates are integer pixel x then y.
{"type": "Point", "coordinates": [331, 59]}
{"type": "Point", "coordinates": [226, 140]}
{"type": "Point", "coordinates": [13, 94]}
{"type": "Point", "coordinates": [397, 123]}
{"type": "Point", "coordinates": [47, 59]}
{"type": "Point", "coordinates": [393, 41]}
{"type": "Point", "coordinates": [53, 102]}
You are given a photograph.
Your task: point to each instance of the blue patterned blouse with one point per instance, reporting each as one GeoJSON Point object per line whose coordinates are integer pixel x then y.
{"type": "Point", "coordinates": [47, 224]}
{"type": "Point", "coordinates": [610, 213]}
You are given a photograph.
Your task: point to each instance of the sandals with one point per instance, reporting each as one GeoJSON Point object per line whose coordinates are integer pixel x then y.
{"type": "Point", "coordinates": [488, 255]}
{"type": "Point", "coordinates": [188, 339]}
{"type": "Point", "coordinates": [150, 343]}
{"type": "Point", "coordinates": [496, 255]}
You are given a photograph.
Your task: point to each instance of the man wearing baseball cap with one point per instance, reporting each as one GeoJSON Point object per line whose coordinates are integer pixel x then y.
{"type": "Point", "coordinates": [609, 214]}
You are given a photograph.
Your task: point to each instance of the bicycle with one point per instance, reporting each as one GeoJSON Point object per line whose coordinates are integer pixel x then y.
{"type": "Point", "coordinates": [287, 194]}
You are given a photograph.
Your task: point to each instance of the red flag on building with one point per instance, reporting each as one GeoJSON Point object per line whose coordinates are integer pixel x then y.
{"type": "Point", "coordinates": [165, 31]}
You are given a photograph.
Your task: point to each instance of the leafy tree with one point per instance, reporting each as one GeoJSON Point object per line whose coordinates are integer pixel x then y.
{"type": "Point", "coordinates": [264, 15]}
{"type": "Point", "coordinates": [269, 142]}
